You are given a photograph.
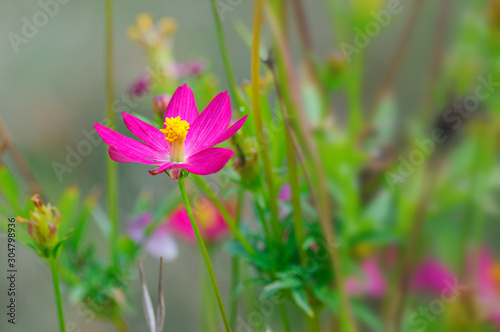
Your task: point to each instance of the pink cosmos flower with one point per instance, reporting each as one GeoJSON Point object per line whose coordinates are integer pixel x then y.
{"type": "Point", "coordinates": [370, 282]}
{"type": "Point", "coordinates": [161, 243]}
{"type": "Point", "coordinates": [212, 225]}
{"type": "Point", "coordinates": [186, 142]}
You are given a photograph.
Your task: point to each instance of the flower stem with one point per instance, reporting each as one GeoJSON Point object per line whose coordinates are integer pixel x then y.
{"type": "Point", "coordinates": [57, 293]}
{"type": "Point", "coordinates": [111, 166]}
{"type": "Point", "coordinates": [231, 223]}
{"type": "Point", "coordinates": [235, 270]}
{"type": "Point", "coordinates": [204, 253]}
{"type": "Point", "coordinates": [257, 116]}
{"type": "Point", "coordinates": [120, 325]}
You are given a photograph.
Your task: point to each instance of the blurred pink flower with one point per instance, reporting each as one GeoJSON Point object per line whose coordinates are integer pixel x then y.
{"type": "Point", "coordinates": [285, 193]}
{"type": "Point", "coordinates": [140, 87]}
{"type": "Point", "coordinates": [488, 286]}
{"type": "Point", "coordinates": [370, 282]}
{"type": "Point", "coordinates": [432, 276]}
{"type": "Point", "coordinates": [179, 71]}
{"type": "Point", "coordinates": [212, 225]}
{"type": "Point", "coordinates": [160, 243]}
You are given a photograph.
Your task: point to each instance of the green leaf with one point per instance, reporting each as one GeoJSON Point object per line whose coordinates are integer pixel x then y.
{"type": "Point", "coordinates": [369, 318]}
{"type": "Point", "coordinates": [9, 189]}
{"type": "Point", "coordinates": [299, 296]}
{"type": "Point", "coordinates": [278, 286]}
{"type": "Point", "coordinates": [69, 206]}
{"type": "Point", "coordinates": [83, 219]}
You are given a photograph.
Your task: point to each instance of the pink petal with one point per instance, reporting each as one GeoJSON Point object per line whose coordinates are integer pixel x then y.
{"type": "Point", "coordinates": [208, 161]}
{"type": "Point", "coordinates": [126, 147]}
{"type": "Point", "coordinates": [180, 224]}
{"type": "Point", "coordinates": [210, 124]}
{"type": "Point", "coordinates": [165, 167]}
{"type": "Point", "coordinates": [182, 104]}
{"type": "Point", "coordinates": [224, 136]}
{"type": "Point", "coordinates": [117, 156]}
{"type": "Point", "coordinates": [371, 282]}
{"type": "Point", "coordinates": [146, 132]}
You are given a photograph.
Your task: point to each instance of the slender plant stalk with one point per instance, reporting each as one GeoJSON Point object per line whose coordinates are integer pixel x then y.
{"type": "Point", "coordinates": [291, 96]}
{"type": "Point", "coordinates": [410, 256]}
{"type": "Point", "coordinates": [257, 116]}
{"type": "Point", "coordinates": [57, 293]}
{"type": "Point", "coordinates": [235, 269]}
{"type": "Point", "coordinates": [209, 321]}
{"type": "Point", "coordinates": [120, 324]}
{"type": "Point", "coordinates": [231, 223]}
{"type": "Point", "coordinates": [233, 87]}
{"type": "Point", "coordinates": [397, 59]}
{"type": "Point", "coordinates": [284, 318]}
{"type": "Point", "coordinates": [111, 167]}
{"type": "Point", "coordinates": [204, 253]}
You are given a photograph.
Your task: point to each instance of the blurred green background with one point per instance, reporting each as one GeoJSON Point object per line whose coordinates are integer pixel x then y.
{"type": "Point", "coordinates": [53, 89]}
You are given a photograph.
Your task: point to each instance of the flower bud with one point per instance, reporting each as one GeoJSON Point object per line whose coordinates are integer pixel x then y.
{"type": "Point", "coordinates": [42, 226]}
{"type": "Point", "coordinates": [160, 103]}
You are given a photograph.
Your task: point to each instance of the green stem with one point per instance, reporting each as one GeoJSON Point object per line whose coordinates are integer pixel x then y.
{"type": "Point", "coordinates": [233, 87]}
{"type": "Point", "coordinates": [284, 318]}
{"type": "Point", "coordinates": [120, 325]}
{"type": "Point", "coordinates": [235, 270]}
{"type": "Point", "coordinates": [224, 212]}
{"type": "Point", "coordinates": [209, 321]}
{"type": "Point", "coordinates": [204, 253]}
{"type": "Point", "coordinates": [57, 293]}
{"type": "Point", "coordinates": [257, 116]}
{"type": "Point", "coordinates": [112, 167]}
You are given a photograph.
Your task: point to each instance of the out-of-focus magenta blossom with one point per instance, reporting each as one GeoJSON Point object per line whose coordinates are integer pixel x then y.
{"type": "Point", "coordinates": [285, 193]}
{"type": "Point", "coordinates": [212, 225]}
{"type": "Point", "coordinates": [186, 142]}
{"type": "Point", "coordinates": [140, 87]}
{"type": "Point", "coordinates": [488, 286]}
{"type": "Point", "coordinates": [370, 282]}
{"type": "Point", "coordinates": [161, 243]}
{"type": "Point", "coordinates": [189, 68]}
{"type": "Point", "coordinates": [433, 277]}
{"type": "Point", "coordinates": [284, 196]}
{"type": "Point", "coordinates": [177, 71]}
{"type": "Point", "coordinates": [160, 102]}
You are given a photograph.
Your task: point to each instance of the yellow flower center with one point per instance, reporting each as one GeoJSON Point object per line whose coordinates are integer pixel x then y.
{"type": "Point", "coordinates": [175, 129]}
{"type": "Point", "coordinates": [175, 133]}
